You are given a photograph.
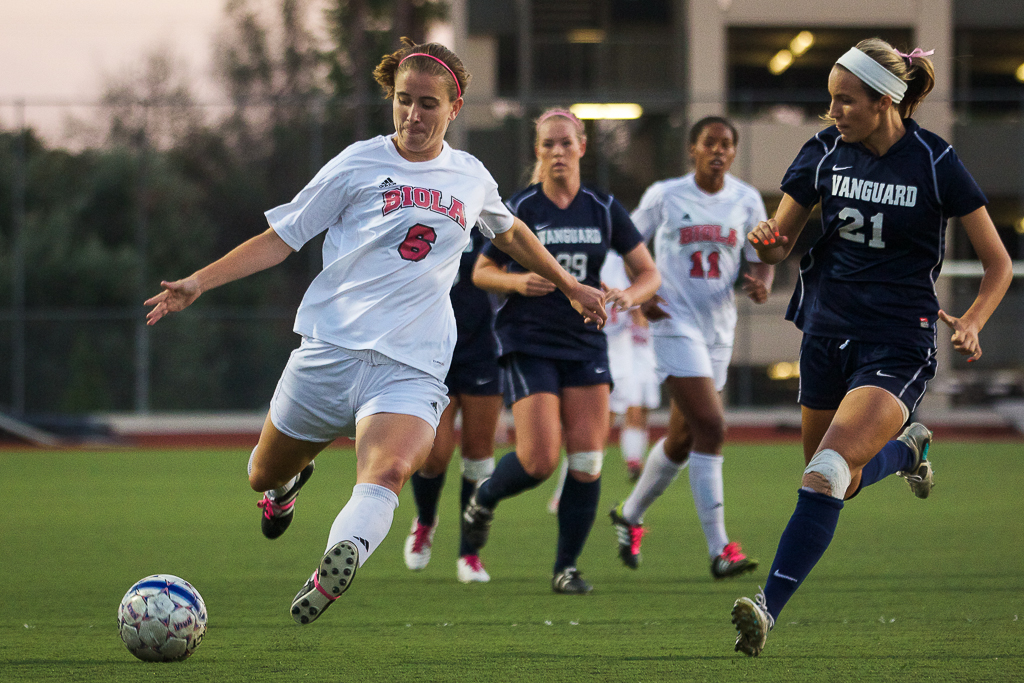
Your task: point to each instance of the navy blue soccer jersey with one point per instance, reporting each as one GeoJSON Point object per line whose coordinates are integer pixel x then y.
{"type": "Point", "coordinates": [578, 237]}
{"type": "Point", "coordinates": [871, 275]}
{"type": "Point", "coordinates": [473, 313]}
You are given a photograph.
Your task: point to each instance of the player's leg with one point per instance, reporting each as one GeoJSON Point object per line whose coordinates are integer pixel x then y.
{"type": "Point", "coordinates": [397, 412]}
{"type": "Point", "coordinates": [426, 484]}
{"type": "Point", "coordinates": [280, 466]}
{"type": "Point", "coordinates": [585, 418]}
{"type": "Point", "coordinates": [308, 410]}
{"type": "Point", "coordinates": [480, 416]}
{"type": "Point", "coordinates": [864, 422]}
{"type": "Point", "coordinates": [531, 388]}
{"type": "Point", "coordinates": [633, 439]}
{"type": "Point", "coordinates": [389, 448]}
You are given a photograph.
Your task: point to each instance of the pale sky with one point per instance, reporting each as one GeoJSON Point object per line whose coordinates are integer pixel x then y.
{"type": "Point", "coordinates": [60, 50]}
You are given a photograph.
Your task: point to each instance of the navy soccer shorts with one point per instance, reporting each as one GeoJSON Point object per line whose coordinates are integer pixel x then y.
{"type": "Point", "coordinates": [832, 368]}
{"type": "Point", "coordinates": [476, 378]}
{"type": "Point", "coordinates": [525, 375]}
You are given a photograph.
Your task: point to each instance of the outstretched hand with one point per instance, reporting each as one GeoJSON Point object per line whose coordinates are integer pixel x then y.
{"type": "Point", "coordinates": [965, 336]}
{"type": "Point", "coordinates": [589, 302]}
{"type": "Point", "coordinates": [176, 296]}
{"type": "Point", "coordinates": [652, 311]}
{"type": "Point", "coordinates": [755, 288]}
{"type": "Point", "coordinates": [620, 298]}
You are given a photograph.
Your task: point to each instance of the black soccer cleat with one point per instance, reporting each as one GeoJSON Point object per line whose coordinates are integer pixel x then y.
{"type": "Point", "coordinates": [332, 578]}
{"type": "Point", "coordinates": [278, 512]}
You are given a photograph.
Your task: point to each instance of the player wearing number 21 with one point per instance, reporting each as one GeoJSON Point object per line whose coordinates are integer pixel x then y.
{"type": "Point", "coordinates": [556, 366]}
{"type": "Point", "coordinates": [866, 300]}
{"type": "Point", "coordinates": [377, 325]}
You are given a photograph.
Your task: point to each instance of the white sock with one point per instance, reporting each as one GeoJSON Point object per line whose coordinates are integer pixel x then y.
{"type": "Point", "coordinates": [273, 493]}
{"type": "Point", "coordinates": [658, 473]}
{"type": "Point", "coordinates": [562, 474]}
{"type": "Point", "coordinates": [633, 442]}
{"type": "Point", "coordinates": [709, 499]}
{"type": "Point", "coordinates": [366, 519]}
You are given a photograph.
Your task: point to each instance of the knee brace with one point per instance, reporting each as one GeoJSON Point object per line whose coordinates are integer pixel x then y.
{"type": "Point", "coordinates": [833, 468]}
{"type": "Point", "coordinates": [588, 462]}
{"type": "Point", "coordinates": [477, 470]}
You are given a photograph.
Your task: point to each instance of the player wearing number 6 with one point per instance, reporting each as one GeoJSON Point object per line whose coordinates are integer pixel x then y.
{"type": "Point", "coordinates": [699, 223]}
{"type": "Point", "coordinates": [377, 325]}
{"type": "Point", "coordinates": [866, 299]}
{"type": "Point", "coordinates": [556, 366]}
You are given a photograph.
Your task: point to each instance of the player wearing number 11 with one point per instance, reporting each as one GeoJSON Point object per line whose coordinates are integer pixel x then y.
{"type": "Point", "coordinates": [377, 324]}
{"type": "Point", "coordinates": [866, 300]}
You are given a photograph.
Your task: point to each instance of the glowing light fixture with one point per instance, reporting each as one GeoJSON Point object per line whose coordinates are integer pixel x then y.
{"type": "Point", "coordinates": [586, 35]}
{"type": "Point", "coordinates": [783, 370]}
{"type": "Point", "coordinates": [1018, 227]}
{"type": "Point", "coordinates": [782, 60]}
{"type": "Point", "coordinates": [1020, 73]}
{"type": "Point", "coordinates": [607, 111]}
{"type": "Point", "coordinates": [801, 43]}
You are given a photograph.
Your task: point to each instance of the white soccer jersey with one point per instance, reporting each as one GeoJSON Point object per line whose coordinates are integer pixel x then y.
{"type": "Point", "coordinates": [697, 242]}
{"type": "Point", "coordinates": [396, 230]}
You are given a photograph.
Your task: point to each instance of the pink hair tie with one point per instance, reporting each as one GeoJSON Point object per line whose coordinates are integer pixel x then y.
{"type": "Point", "coordinates": [458, 88]}
{"type": "Point", "coordinates": [561, 112]}
{"type": "Point", "coordinates": [916, 52]}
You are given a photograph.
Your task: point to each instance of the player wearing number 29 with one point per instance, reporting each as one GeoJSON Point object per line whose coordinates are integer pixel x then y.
{"type": "Point", "coordinates": [866, 299]}
{"type": "Point", "coordinates": [556, 366]}
{"type": "Point", "coordinates": [377, 325]}
{"type": "Point", "coordinates": [699, 223]}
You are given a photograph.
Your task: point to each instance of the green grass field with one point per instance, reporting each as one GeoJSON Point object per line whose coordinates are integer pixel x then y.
{"type": "Point", "coordinates": [910, 590]}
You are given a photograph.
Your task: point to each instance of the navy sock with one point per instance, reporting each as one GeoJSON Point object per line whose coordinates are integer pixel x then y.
{"type": "Point", "coordinates": [576, 512]}
{"type": "Point", "coordinates": [509, 479]}
{"type": "Point", "coordinates": [804, 541]}
{"type": "Point", "coordinates": [467, 491]}
{"type": "Point", "coordinates": [426, 492]}
{"type": "Point", "coordinates": [894, 457]}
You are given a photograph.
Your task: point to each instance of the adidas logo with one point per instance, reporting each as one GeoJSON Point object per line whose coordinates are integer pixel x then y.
{"type": "Point", "coordinates": [388, 182]}
{"type": "Point", "coordinates": [365, 543]}
{"type": "Point", "coordinates": [685, 217]}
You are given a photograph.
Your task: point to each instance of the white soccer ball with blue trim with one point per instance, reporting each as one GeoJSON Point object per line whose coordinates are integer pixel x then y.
{"type": "Point", "coordinates": [162, 618]}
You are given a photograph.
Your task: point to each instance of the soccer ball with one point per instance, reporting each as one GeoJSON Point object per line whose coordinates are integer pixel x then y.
{"type": "Point", "coordinates": [162, 619]}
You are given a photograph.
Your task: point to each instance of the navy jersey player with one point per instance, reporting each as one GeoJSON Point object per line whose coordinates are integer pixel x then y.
{"type": "Point", "coordinates": [866, 301]}
{"type": "Point", "coordinates": [377, 325]}
{"type": "Point", "coordinates": [556, 367]}
{"type": "Point", "coordinates": [474, 388]}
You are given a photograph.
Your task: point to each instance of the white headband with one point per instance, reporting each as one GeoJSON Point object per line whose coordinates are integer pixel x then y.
{"type": "Point", "coordinates": [873, 74]}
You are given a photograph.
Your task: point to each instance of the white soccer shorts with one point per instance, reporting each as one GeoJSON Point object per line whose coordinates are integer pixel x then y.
{"type": "Point", "coordinates": [632, 368]}
{"type": "Point", "coordinates": [326, 390]}
{"type": "Point", "coordinates": [689, 357]}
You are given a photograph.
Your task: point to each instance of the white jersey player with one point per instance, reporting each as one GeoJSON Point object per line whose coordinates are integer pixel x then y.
{"type": "Point", "coordinates": [631, 362]}
{"type": "Point", "coordinates": [699, 223]}
{"type": "Point", "coordinates": [377, 324]}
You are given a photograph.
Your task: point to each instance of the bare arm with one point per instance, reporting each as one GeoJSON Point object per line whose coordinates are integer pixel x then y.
{"type": "Point", "coordinates": [520, 243]}
{"type": "Point", "coordinates": [776, 237]}
{"type": "Point", "coordinates": [253, 255]}
{"type": "Point", "coordinates": [994, 283]}
{"type": "Point", "coordinates": [643, 276]}
{"type": "Point", "coordinates": [491, 277]}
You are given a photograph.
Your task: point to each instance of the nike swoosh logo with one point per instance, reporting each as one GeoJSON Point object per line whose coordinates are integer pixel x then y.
{"type": "Point", "coordinates": [483, 380]}
{"type": "Point", "coordinates": [882, 374]}
{"type": "Point", "coordinates": [783, 576]}
{"type": "Point", "coordinates": [599, 371]}
{"type": "Point", "coordinates": [541, 226]}
{"type": "Point", "coordinates": [841, 168]}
